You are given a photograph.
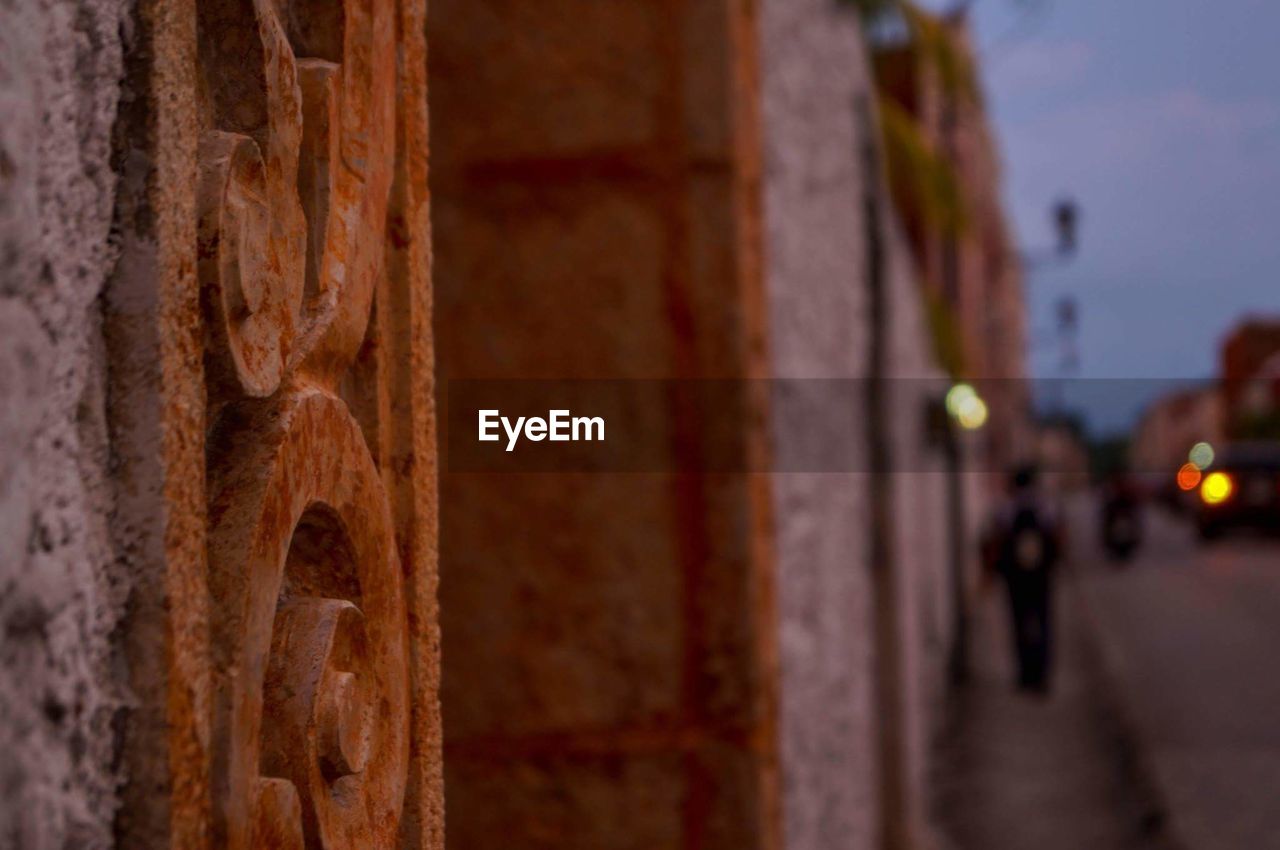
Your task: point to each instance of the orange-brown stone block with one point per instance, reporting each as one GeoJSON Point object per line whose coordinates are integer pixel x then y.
{"type": "Point", "coordinates": [609, 677]}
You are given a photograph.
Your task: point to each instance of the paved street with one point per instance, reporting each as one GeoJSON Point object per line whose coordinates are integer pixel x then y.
{"type": "Point", "coordinates": [1027, 772]}
{"type": "Point", "coordinates": [1192, 633]}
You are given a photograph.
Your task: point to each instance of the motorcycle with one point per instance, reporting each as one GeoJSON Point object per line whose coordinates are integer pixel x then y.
{"type": "Point", "coordinates": [1121, 522]}
{"type": "Point", "coordinates": [1121, 534]}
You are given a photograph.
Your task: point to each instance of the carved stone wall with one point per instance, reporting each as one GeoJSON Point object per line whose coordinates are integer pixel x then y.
{"type": "Point", "coordinates": [273, 311]}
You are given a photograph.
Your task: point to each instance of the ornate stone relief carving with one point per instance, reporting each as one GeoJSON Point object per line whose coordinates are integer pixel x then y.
{"type": "Point", "coordinates": [310, 644]}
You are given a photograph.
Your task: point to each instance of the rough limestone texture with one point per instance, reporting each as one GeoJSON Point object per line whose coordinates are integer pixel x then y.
{"type": "Point", "coordinates": [60, 65]}
{"type": "Point", "coordinates": [921, 541]}
{"type": "Point", "coordinates": [814, 72]}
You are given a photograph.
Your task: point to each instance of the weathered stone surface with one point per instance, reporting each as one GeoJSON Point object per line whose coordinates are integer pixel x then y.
{"type": "Point", "coordinates": [820, 326]}
{"type": "Point", "coordinates": [569, 802]}
{"type": "Point", "coordinates": [571, 80]}
{"type": "Point", "coordinates": [609, 637]}
{"type": "Point", "coordinates": [272, 314]}
{"type": "Point", "coordinates": [60, 596]}
{"type": "Point", "coordinates": [814, 75]}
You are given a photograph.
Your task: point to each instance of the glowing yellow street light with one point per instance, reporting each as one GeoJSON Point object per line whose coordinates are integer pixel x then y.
{"type": "Point", "coordinates": [957, 396]}
{"type": "Point", "coordinates": [966, 407]}
{"type": "Point", "coordinates": [973, 414]}
{"type": "Point", "coordinates": [1216, 488]}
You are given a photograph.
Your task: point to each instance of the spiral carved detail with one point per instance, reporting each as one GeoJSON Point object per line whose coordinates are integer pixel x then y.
{"type": "Point", "coordinates": [309, 637]}
{"type": "Point", "coordinates": [302, 555]}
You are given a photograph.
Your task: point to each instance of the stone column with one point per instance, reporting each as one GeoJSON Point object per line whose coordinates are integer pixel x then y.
{"type": "Point", "coordinates": [611, 676]}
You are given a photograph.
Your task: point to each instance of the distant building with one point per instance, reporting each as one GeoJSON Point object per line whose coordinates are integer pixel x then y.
{"type": "Point", "coordinates": [1173, 424]}
{"type": "Point", "coordinates": [1062, 454]}
{"type": "Point", "coordinates": [1250, 362]}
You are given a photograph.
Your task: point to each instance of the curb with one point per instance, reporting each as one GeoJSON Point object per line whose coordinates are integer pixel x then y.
{"type": "Point", "coordinates": [1158, 822]}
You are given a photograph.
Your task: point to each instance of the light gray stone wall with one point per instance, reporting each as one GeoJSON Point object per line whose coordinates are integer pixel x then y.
{"type": "Point", "coordinates": [921, 540]}
{"type": "Point", "coordinates": [60, 67]}
{"type": "Point", "coordinates": [814, 70]}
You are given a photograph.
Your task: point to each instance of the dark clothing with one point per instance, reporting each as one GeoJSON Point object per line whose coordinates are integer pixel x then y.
{"type": "Point", "coordinates": [1030, 608]}
{"type": "Point", "coordinates": [1026, 547]}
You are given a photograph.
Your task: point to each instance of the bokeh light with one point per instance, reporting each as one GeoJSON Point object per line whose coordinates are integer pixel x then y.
{"type": "Point", "coordinates": [1188, 476]}
{"type": "Point", "coordinates": [958, 396]}
{"type": "Point", "coordinates": [1201, 455]}
{"type": "Point", "coordinates": [1217, 488]}
{"type": "Point", "coordinates": [972, 413]}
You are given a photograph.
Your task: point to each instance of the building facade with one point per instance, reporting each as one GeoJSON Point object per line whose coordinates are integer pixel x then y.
{"type": "Point", "coordinates": [1171, 425]}
{"type": "Point", "coordinates": [968, 259]}
{"type": "Point", "coordinates": [249, 604]}
{"type": "Point", "coordinates": [1250, 363]}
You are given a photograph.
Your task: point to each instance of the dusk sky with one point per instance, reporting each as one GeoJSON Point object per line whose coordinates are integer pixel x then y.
{"type": "Point", "coordinates": [1162, 118]}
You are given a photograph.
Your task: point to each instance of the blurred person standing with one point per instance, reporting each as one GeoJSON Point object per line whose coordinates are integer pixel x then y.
{"type": "Point", "coordinates": [1023, 544]}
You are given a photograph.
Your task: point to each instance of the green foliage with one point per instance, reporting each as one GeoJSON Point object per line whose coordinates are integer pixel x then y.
{"type": "Point", "coordinates": [922, 181]}
{"type": "Point", "coordinates": [938, 46]}
{"type": "Point", "coordinates": [944, 329]}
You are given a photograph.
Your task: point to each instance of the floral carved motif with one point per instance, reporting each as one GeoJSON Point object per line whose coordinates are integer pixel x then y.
{"type": "Point", "coordinates": [311, 679]}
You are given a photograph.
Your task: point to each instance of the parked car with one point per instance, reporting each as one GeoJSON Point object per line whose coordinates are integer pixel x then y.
{"type": "Point", "coordinates": [1240, 488]}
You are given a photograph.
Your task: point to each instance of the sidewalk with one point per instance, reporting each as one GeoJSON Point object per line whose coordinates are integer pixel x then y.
{"type": "Point", "coordinates": [1023, 772]}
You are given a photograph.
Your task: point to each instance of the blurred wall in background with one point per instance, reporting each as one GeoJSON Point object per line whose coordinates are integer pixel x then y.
{"type": "Point", "coordinates": [945, 171]}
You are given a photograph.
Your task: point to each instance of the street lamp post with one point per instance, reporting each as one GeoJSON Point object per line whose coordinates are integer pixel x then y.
{"type": "Point", "coordinates": [961, 409]}
{"type": "Point", "coordinates": [1065, 217]}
